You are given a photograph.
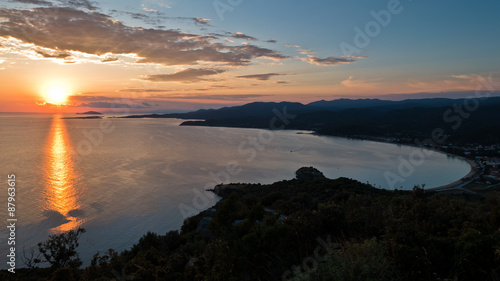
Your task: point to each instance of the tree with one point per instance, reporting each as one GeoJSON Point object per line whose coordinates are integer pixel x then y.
{"type": "Point", "coordinates": [60, 250]}
{"type": "Point", "coordinates": [30, 257]}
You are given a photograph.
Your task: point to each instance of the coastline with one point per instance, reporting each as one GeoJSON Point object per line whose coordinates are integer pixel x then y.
{"type": "Point", "coordinates": [453, 185]}
{"type": "Point", "coordinates": [464, 180]}
{"type": "Point", "coordinates": [474, 171]}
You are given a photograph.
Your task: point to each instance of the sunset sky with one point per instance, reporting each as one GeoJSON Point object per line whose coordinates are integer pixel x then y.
{"type": "Point", "coordinates": [173, 55]}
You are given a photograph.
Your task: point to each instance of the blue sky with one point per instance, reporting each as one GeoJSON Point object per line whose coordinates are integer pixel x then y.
{"type": "Point", "coordinates": [258, 50]}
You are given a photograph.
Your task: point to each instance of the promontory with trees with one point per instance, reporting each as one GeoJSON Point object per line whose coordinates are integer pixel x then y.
{"type": "Point", "coordinates": [307, 228]}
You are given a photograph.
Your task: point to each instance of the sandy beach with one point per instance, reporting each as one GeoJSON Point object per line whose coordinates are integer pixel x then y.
{"type": "Point", "coordinates": [473, 172]}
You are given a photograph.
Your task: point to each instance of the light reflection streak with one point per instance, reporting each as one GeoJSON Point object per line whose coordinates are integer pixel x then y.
{"type": "Point", "coordinates": [60, 192]}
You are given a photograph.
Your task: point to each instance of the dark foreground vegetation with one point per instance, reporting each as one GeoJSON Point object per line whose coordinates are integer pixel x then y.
{"type": "Point", "coordinates": [311, 228]}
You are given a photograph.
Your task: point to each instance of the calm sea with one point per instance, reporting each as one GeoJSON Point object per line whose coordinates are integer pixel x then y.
{"type": "Point", "coordinates": [120, 178]}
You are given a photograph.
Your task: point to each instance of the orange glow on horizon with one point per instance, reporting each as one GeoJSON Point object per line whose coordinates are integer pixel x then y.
{"type": "Point", "coordinates": [61, 195]}
{"type": "Point", "coordinates": [56, 93]}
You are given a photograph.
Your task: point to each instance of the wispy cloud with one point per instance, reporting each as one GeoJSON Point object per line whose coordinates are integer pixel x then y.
{"type": "Point", "coordinates": [34, 2]}
{"type": "Point", "coordinates": [88, 98]}
{"type": "Point", "coordinates": [112, 105]}
{"type": "Point", "coordinates": [100, 101]}
{"type": "Point", "coordinates": [201, 21]}
{"type": "Point", "coordinates": [356, 83]}
{"type": "Point", "coordinates": [241, 35]}
{"type": "Point", "coordinates": [149, 10]}
{"type": "Point", "coordinates": [56, 55]}
{"type": "Point", "coordinates": [135, 90]}
{"type": "Point", "coordinates": [261, 77]}
{"type": "Point", "coordinates": [189, 75]}
{"type": "Point", "coordinates": [329, 61]}
{"type": "Point", "coordinates": [234, 97]}
{"type": "Point", "coordinates": [446, 83]}
{"type": "Point", "coordinates": [310, 57]}
{"type": "Point", "coordinates": [89, 5]}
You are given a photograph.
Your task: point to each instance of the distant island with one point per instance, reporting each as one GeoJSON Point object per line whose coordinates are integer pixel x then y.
{"type": "Point", "coordinates": [83, 117]}
{"type": "Point", "coordinates": [90, 113]}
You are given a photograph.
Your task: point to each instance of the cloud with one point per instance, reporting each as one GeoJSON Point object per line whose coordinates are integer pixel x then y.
{"type": "Point", "coordinates": [189, 75]}
{"type": "Point", "coordinates": [109, 59]}
{"type": "Point", "coordinates": [66, 29]}
{"type": "Point", "coordinates": [441, 94]}
{"type": "Point", "coordinates": [248, 51]}
{"type": "Point", "coordinates": [145, 90]}
{"type": "Point", "coordinates": [213, 97]}
{"type": "Point", "coordinates": [354, 83]}
{"type": "Point", "coordinates": [271, 41]}
{"type": "Point", "coordinates": [149, 10]}
{"type": "Point", "coordinates": [201, 21]}
{"type": "Point", "coordinates": [155, 90]}
{"type": "Point", "coordinates": [332, 60]}
{"type": "Point", "coordinates": [34, 2]}
{"type": "Point", "coordinates": [328, 61]}
{"type": "Point", "coordinates": [99, 101]}
{"type": "Point", "coordinates": [220, 87]}
{"type": "Point", "coordinates": [56, 55]}
{"type": "Point", "coordinates": [305, 52]}
{"type": "Point", "coordinates": [358, 57]}
{"type": "Point", "coordinates": [79, 4]}
{"type": "Point", "coordinates": [460, 83]}
{"type": "Point", "coordinates": [88, 98]}
{"type": "Point", "coordinates": [138, 16]}
{"type": "Point", "coordinates": [466, 76]}
{"type": "Point", "coordinates": [241, 35]}
{"type": "Point", "coordinates": [261, 77]}
{"type": "Point", "coordinates": [110, 105]}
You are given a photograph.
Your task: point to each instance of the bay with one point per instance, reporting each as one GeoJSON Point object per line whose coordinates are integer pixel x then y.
{"type": "Point", "coordinates": [120, 178]}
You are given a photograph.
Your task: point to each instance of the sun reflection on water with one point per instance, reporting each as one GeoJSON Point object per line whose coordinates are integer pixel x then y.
{"type": "Point", "coordinates": [61, 196]}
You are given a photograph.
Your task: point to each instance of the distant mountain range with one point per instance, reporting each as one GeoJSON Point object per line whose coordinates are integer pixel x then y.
{"type": "Point", "coordinates": [464, 120]}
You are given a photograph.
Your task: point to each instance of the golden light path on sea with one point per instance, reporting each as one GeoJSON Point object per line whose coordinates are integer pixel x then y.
{"type": "Point", "coordinates": [60, 192]}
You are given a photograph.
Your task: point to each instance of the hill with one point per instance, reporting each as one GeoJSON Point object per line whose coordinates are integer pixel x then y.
{"type": "Point", "coordinates": [312, 228]}
{"type": "Point", "coordinates": [461, 120]}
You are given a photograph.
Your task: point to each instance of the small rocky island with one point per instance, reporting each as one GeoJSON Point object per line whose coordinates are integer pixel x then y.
{"type": "Point", "coordinates": [89, 113]}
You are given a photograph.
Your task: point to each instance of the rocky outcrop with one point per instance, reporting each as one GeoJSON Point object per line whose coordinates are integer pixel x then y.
{"type": "Point", "coordinates": [309, 173]}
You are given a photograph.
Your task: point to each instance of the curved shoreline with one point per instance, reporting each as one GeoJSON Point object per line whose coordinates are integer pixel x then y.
{"type": "Point", "coordinates": [456, 184]}
{"type": "Point", "coordinates": [474, 171]}
{"type": "Point", "coordinates": [453, 185]}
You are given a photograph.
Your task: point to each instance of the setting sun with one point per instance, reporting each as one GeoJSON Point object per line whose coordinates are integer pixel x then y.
{"type": "Point", "coordinates": [56, 94]}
